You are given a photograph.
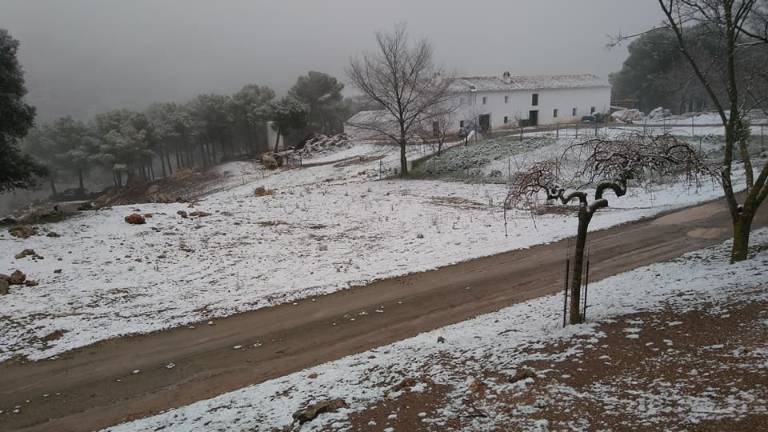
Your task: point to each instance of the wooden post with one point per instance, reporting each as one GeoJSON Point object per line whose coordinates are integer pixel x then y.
{"type": "Point", "coordinates": [693, 127]}
{"type": "Point", "coordinates": [586, 286]}
{"type": "Point", "coordinates": [565, 299]}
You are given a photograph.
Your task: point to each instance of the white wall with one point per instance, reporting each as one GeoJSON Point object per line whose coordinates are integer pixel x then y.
{"type": "Point", "coordinates": [520, 104]}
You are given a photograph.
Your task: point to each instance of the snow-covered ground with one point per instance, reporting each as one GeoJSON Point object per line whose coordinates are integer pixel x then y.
{"type": "Point", "coordinates": [323, 229]}
{"type": "Point", "coordinates": [502, 342]}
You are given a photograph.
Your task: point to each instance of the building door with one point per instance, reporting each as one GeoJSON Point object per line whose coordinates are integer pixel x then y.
{"type": "Point", "coordinates": [485, 122]}
{"type": "Point", "coordinates": [533, 118]}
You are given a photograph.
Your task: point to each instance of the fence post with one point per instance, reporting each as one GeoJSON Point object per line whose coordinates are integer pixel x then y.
{"type": "Point", "coordinates": [565, 298]}
{"type": "Point", "coordinates": [693, 127]}
{"type": "Point", "coordinates": [586, 287]}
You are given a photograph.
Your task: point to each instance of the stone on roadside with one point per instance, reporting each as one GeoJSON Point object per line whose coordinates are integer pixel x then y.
{"type": "Point", "coordinates": [311, 412]}
{"type": "Point", "coordinates": [4, 287]}
{"type": "Point", "coordinates": [27, 252]}
{"type": "Point", "coordinates": [262, 191]}
{"type": "Point", "coordinates": [135, 219]}
{"type": "Point", "coordinates": [22, 231]}
{"type": "Point", "coordinates": [17, 278]}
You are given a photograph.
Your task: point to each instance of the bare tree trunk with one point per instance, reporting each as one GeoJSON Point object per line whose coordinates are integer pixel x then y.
{"type": "Point", "coordinates": [277, 141]}
{"type": "Point", "coordinates": [168, 161]}
{"type": "Point", "coordinates": [403, 159]}
{"type": "Point", "coordinates": [80, 179]}
{"type": "Point", "coordinates": [585, 216]}
{"type": "Point", "coordinates": [212, 149]}
{"type": "Point", "coordinates": [52, 182]}
{"type": "Point", "coordinates": [203, 155]}
{"type": "Point", "coordinates": [162, 163]}
{"type": "Point", "coordinates": [742, 227]}
{"type": "Point", "coordinates": [178, 159]}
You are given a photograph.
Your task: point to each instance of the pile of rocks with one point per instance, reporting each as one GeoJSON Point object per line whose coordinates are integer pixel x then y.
{"type": "Point", "coordinates": [322, 143]}
{"type": "Point", "coordinates": [628, 116]}
{"type": "Point", "coordinates": [659, 113]}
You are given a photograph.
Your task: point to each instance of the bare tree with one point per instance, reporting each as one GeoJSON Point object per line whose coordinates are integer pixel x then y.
{"type": "Point", "coordinates": [606, 166]}
{"type": "Point", "coordinates": [405, 82]}
{"type": "Point", "coordinates": [735, 83]}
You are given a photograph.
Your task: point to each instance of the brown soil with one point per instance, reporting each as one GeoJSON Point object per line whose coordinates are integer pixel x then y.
{"type": "Point", "coordinates": [93, 387]}
{"type": "Point", "coordinates": [712, 354]}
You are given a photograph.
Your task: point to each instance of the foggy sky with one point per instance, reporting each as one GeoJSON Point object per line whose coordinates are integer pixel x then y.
{"type": "Point", "coordinates": [83, 57]}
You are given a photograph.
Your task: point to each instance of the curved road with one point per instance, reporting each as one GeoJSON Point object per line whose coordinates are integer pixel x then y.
{"type": "Point", "coordinates": [93, 387]}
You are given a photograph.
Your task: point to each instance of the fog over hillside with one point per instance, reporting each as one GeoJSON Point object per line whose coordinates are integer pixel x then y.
{"type": "Point", "coordinates": [86, 56]}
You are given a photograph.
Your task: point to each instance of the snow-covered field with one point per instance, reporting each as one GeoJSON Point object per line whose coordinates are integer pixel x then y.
{"type": "Point", "coordinates": [323, 229]}
{"type": "Point", "coordinates": [503, 341]}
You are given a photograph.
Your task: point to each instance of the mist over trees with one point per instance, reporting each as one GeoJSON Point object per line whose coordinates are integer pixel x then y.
{"type": "Point", "coordinates": [140, 146]}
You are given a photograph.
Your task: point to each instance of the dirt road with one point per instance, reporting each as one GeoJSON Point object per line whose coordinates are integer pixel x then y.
{"type": "Point", "coordinates": [94, 387]}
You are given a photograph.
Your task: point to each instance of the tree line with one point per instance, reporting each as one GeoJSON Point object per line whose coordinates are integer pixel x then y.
{"type": "Point", "coordinates": [169, 136]}
{"type": "Point", "coordinates": [163, 138]}
{"type": "Point", "coordinates": [657, 73]}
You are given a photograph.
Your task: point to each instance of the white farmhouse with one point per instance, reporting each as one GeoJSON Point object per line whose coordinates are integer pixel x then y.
{"type": "Point", "coordinates": [510, 101]}
{"type": "Point", "coordinates": [514, 100]}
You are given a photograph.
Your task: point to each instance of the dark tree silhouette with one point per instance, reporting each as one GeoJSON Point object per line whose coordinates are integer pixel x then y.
{"type": "Point", "coordinates": [17, 170]}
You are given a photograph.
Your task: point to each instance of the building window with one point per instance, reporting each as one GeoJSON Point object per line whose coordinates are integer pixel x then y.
{"type": "Point", "coordinates": [535, 99]}
{"type": "Point", "coordinates": [592, 110]}
{"type": "Point", "coordinates": [554, 113]}
{"type": "Point", "coordinates": [575, 111]}
{"type": "Point", "coordinates": [506, 99]}
{"type": "Point", "coordinates": [461, 124]}
{"type": "Point", "coordinates": [506, 119]}
{"type": "Point", "coordinates": [485, 100]}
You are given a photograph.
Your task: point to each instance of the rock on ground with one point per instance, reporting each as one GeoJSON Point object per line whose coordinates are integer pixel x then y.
{"type": "Point", "coordinates": [311, 412]}
{"type": "Point", "coordinates": [135, 219]}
